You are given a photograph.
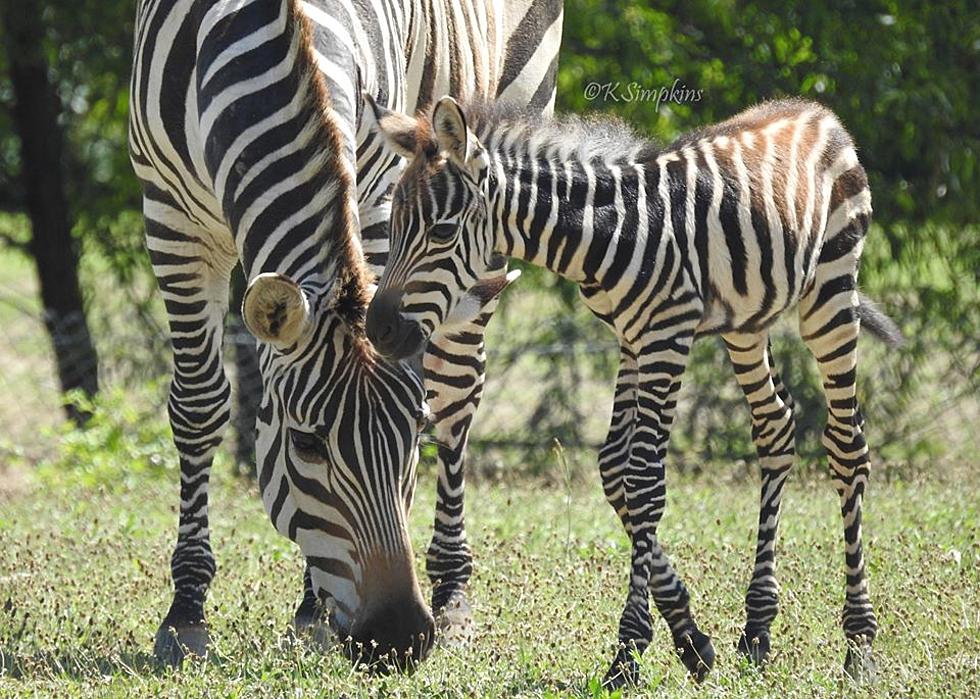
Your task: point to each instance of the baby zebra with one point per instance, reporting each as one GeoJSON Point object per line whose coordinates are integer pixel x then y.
{"type": "Point", "coordinates": [719, 233]}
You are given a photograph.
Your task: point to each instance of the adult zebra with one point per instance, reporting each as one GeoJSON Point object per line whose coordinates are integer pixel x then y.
{"type": "Point", "coordinates": [245, 132]}
{"type": "Point", "coordinates": [720, 233]}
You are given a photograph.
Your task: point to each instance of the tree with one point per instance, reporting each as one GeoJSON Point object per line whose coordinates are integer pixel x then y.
{"type": "Point", "coordinates": [35, 117]}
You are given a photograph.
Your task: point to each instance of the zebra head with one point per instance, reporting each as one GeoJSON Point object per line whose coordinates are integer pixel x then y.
{"type": "Point", "coordinates": [337, 449]}
{"type": "Point", "coordinates": [442, 268]}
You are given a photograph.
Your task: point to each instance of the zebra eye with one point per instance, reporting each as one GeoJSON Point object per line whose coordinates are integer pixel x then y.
{"type": "Point", "coordinates": [442, 231]}
{"type": "Point", "coordinates": [424, 418]}
{"type": "Point", "coordinates": [307, 446]}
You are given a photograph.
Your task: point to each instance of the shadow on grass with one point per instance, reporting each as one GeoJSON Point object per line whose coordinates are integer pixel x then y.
{"type": "Point", "coordinates": [79, 663]}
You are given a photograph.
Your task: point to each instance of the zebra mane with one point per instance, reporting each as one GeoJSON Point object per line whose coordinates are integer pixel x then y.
{"type": "Point", "coordinates": [346, 261]}
{"type": "Point", "coordinates": [566, 136]}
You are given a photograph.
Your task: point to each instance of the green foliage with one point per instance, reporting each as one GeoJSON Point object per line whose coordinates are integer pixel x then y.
{"type": "Point", "coordinates": [126, 443]}
{"type": "Point", "coordinates": [902, 77]}
{"type": "Point", "coordinates": [89, 51]}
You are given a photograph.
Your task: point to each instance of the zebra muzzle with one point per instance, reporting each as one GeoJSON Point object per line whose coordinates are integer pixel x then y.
{"type": "Point", "coordinates": [390, 333]}
{"type": "Point", "coordinates": [395, 629]}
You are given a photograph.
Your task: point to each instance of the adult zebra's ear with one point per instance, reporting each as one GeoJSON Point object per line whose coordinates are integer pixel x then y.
{"type": "Point", "coordinates": [275, 310]}
{"type": "Point", "coordinates": [455, 139]}
{"type": "Point", "coordinates": [399, 131]}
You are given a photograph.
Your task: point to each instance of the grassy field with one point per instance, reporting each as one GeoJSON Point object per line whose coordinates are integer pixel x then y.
{"type": "Point", "coordinates": [86, 537]}
{"type": "Point", "coordinates": [84, 580]}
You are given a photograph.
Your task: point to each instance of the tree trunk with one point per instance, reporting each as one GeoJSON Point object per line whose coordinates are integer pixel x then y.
{"type": "Point", "coordinates": [36, 118]}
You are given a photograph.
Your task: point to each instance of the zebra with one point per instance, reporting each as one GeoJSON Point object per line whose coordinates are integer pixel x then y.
{"type": "Point", "coordinates": [720, 233]}
{"type": "Point", "coordinates": [246, 133]}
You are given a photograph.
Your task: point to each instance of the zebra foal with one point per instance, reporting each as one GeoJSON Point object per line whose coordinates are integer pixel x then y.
{"type": "Point", "coordinates": [721, 233]}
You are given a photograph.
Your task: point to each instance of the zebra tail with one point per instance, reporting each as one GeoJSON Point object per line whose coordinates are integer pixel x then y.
{"type": "Point", "coordinates": [874, 320]}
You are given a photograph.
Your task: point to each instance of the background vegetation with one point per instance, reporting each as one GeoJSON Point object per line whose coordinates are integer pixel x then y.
{"type": "Point", "coordinates": [903, 76]}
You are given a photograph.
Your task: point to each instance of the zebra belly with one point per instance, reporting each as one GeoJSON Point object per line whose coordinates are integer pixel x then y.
{"type": "Point", "coordinates": [768, 293]}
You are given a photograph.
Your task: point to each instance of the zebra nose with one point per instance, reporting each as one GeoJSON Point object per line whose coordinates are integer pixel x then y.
{"type": "Point", "coordinates": [383, 319]}
{"type": "Point", "coordinates": [397, 635]}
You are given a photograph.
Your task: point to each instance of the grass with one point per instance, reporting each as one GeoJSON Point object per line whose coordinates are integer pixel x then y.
{"type": "Point", "coordinates": [85, 543]}
{"type": "Point", "coordinates": [84, 581]}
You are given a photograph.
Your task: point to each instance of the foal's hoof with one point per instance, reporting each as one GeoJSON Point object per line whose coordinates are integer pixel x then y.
{"type": "Point", "coordinates": [175, 642]}
{"type": "Point", "coordinates": [754, 645]}
{"type": "Point", "coordinates": [859, 663]}
{"type": "Point", "coordinates": [454, 622]}
{"type": "Point", "coordinates": [697, 654]}
{"type": "Point", "coordinates": [624, 672]}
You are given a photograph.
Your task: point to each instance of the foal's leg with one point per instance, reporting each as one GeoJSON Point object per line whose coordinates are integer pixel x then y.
{"type": "Point", "coordinates": [193, 279]}
{"type": "Point", "coordinates": [615, 452]}
{"type": "Point", "coordinates": [773, 431]}
{"type": "Point", "coordinates": [829, 325]}
{"type": "Point", "coordinates": [454, 366]}
{"type": "Point", "coordinates": [662, 357]}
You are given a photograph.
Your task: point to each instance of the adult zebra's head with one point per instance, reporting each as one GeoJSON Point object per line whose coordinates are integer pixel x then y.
{"type": "Point", "coordinates": [337, 448]}
{"type": "Point", "coordinates": [442, 268]}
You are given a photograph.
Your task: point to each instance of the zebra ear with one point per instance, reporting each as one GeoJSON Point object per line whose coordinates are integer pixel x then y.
{"type": "Point", "coordinates": [480, 299]}
{"type": "Point", "coordinates": [399, 130]}
{"type": "Point", "coordinates": [275, 310]}
{"type": "Point", "coordinates": [449, 126]}
{"type": "Point", "coordinates": [456, 140]}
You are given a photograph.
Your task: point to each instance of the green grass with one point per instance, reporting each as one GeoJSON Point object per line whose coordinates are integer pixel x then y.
{"type": "Point", "coordinates": [84, 581]}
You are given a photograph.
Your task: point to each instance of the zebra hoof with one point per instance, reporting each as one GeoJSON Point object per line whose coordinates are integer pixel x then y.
{"type": "Point", "coordinates": [173, 643]}
{"type": "Point", "coordinates": [311, 626]}
{"type": "Point", "coordinates": [454, 622]}
{"type": "Point", "coordinates": [859, 663]}
{"type": "Point", "coordinates": [754, 645]}
{"type": "Point", "coordinates": [624, 672]}
{"type": "Point", "coordinates": [697, 654]}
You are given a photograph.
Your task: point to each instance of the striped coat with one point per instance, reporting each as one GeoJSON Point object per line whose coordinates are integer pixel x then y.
{"type": "Point", "coordinates": [720, 233]}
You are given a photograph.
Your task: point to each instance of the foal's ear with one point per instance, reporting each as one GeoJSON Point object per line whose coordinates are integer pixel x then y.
{"type": "Point", "coordinates": [449, 126]}
{"type": "Point", "coordinates": [400, 131]}
{"type": "Point", "coordinates": [455, 139]}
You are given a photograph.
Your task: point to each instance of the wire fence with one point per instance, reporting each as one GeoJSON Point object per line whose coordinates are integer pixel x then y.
{"type": "Point", "coordinates": [551, 369]}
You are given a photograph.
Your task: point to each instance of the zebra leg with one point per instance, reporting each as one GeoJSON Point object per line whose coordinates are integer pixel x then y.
{"type": "Point", "coordinates": [615, 451]}
{"type": "Point", "coordinates": [830, 329]}
{"type": "Point", "coordinates": [311, 621]}
{"type": "Point", "coordinates": [454, 368]}
{"type": "Point", "coordinates": [773, 432]}
{"type": "Point", "coordinates": [194, 285]}
{"type": "Point", "coordinates": [662, 358]}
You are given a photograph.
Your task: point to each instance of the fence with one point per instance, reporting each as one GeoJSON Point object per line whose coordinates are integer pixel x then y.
{"type": "Point", "coordinates": [550, 375]}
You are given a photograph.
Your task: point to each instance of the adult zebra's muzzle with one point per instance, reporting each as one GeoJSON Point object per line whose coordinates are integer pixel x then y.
{"type": "Point", "coordinates": [391, 334]}
{"type": "Point", "coordinates": [395, 629]}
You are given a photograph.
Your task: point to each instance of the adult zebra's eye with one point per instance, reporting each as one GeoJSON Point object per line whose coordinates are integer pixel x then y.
{"type": "Point", "coordinates": [307, 446]}
{"type": "Point", "coordinates": [442, 231]}
{"type": "Point", "coordinates": [423, 417]}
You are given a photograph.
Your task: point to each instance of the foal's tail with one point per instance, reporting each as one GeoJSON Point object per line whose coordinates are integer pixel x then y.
{"type": "Point", "coordinates": [874, 320]}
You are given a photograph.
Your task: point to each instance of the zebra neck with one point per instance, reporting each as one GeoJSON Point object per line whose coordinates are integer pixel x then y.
{"type": "Point", "coordinates": [559, 213]}
{"type": "Point", "coordinates": [272, 149]}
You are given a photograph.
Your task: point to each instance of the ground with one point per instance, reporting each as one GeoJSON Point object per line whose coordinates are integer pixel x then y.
{"type": "Point", "coordinates": [88, 521]}
{"type": "Point", "coordinates": [84, 580]}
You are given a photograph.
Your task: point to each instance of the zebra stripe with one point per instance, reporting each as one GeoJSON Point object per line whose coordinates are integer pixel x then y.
{"type": "Point", "coordinates": [248, 136]}
{"type": "Point", "coordinates": [720, 233]}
